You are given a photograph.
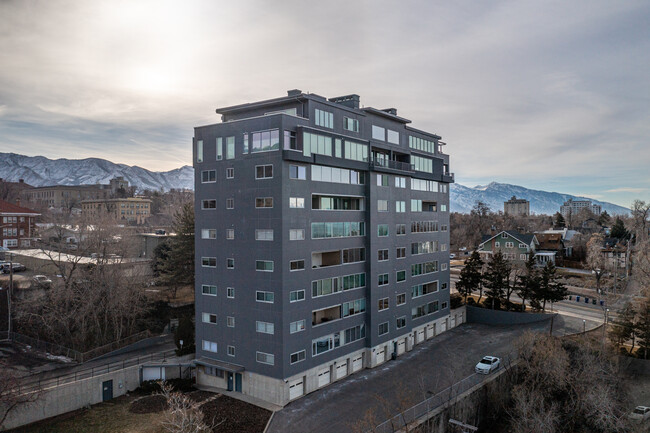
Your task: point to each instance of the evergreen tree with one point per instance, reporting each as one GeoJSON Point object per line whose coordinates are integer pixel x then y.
{"type": "Point", "coordinates": [178, 269]}
{"type": "Point", "coordinates": [528, 284]}
{"type": "Point", "coordinates": [160, 257]}
{"type": "Point", "coordinates": [184, 333]}
{"type": "Point", "coordinates": [550, 287]}
{"type": "Point", "coordinates": [624, 327]}
{"type": "Point", "coordinates": [471, 275]}
{"type": "Point", "coordinates": [604, 219]}
{"type": "Point", "coordinates": [643, 330]}
{"type": "Point", "coordinates": [497, 277]}
{"type": "Point", "coordinates": [559, 221]}
{"type": "Point", "coordinates": [618, 230]}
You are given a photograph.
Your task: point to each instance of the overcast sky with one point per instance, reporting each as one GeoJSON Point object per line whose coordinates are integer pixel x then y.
{"type": "Point", "coordinates": [550, 95]}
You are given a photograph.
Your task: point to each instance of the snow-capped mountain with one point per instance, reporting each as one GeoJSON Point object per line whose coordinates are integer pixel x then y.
{"type": "Point", "coordinates": [463, 198]}
{"type": "Point", "coordinates": [41, 171]}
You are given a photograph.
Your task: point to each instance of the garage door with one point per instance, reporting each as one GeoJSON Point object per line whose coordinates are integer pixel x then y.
{"type": "Point", "coordinates": [324, 378]}
{"type": "Point", "coordinates": [357, 363]}
{"type": "Point", "coordinates": [431, 331]}
{"type": "Point", "coordinates": [443, 326]}
{"type": "Point", "coordinates": [401, 347]}
{"type": "Point", "coordinates": [381, 356]}
{"type": "Point", "coordinates": [296, 388]}
{"type": "Point", "coordinates": [420, 335]}
{"type": "Point", "coordinates": [341, 370]}
{"type": "Point", "coordinates": [153, 373]}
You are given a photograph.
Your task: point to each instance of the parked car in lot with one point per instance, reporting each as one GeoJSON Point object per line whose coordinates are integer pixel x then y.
{"type": "Point", "coordinates": [487, 365]}
{"type": "Point", "coordinates": [17, 267]}
{"type": "Point", "coordinates": [640, 413]}
{"type": "Point", "coordinates": [42, 280]}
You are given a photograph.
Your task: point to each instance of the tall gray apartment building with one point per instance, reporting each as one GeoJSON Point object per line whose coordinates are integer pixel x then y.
{"type": "Point", "coordinates": [322, 234]}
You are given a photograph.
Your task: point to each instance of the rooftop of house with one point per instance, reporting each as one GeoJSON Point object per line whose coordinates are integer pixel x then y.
{"type": "Point", "coordinates": [7, 208]}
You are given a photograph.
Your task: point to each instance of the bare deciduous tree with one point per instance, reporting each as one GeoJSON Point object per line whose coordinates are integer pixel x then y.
{"type": "Point", "coordinates": [183, 415]}
{"type": "Point", "coordinates": [11, 396]}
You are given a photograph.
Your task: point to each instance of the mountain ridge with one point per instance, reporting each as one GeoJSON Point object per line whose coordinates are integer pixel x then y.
{"type": "Point", "coordinates": [42, 171]}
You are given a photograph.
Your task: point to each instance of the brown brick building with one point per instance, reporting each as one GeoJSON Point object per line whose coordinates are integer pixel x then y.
{"type": "Point", "coordinates": [16, 225]}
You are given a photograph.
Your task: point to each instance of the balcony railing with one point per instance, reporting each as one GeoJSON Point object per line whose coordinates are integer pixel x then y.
{"type": "Point", "coordinates": [395, 165]}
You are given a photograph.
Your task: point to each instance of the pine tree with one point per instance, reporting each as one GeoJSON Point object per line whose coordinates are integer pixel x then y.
{"type": "Point", "coordinates": [178, 269]}
{"type": "Point", "coordinates": [559, 221]}
{"type": "Point", "coordinates": [604, 219]}
{"type": "Point", "coordinates": [471, 275]}
{"type": "Point", "coordinates": [550, 287]}
{"type": "Point", "coordinates": [528, 284]}
{"type": "Point", "coordinates": [643, 330]}
{"type": "Point", "coordinates": [496, 278]}
{"type": "Point", "coordinates": [618, 230]}
{"type": "Point", "coordinates": [624, 327]}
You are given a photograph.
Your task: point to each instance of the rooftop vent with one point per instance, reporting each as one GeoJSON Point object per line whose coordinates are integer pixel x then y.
{"type": "Point", "coordinates": [351, 101]}
{"type": "Point", "coordinates": [294, 92]}
{"type": "Point", "coordinates": [392, 111]}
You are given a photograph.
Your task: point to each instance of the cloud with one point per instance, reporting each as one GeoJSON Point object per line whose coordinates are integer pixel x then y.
{"type": "Point", "coordinates": [627, 189]}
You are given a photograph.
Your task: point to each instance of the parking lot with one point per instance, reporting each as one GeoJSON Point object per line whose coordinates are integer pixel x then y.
{"type": "Point", "coordinates": [431, 366]}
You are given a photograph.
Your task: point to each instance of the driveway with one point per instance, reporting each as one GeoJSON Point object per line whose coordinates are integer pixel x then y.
{"type": "Point", "coordinates": [430, 366]}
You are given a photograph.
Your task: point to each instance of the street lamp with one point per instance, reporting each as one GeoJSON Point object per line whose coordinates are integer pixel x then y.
{"type": "Point", "coordinates": [584, 326]}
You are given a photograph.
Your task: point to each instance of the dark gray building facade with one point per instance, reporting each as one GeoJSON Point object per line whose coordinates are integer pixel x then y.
{"type": "Point", "coordinates": [321, 242]}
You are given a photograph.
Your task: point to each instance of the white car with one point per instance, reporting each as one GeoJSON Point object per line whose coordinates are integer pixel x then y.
{"type": "Point", "coordinates": [640, 413]}
{"type": "Point", "coordinates": [487, 365]}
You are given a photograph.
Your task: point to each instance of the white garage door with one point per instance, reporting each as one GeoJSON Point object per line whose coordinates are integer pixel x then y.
{"type": "Point", "coordinates": [357, 363]}
{"type": "Point", "coordinates": [420, 335]}
{"type": "Point", "coordinates": [431, 331]}
{"type": "Point", "coordinates": [443, 326]}
{"type": "Point", "coordinates": [153, 373]}
{"type": "Point", "coordinates": [401, 347]}
{"type": "Point", "coordinates": [324, 378]}
{"type": "Point", "coordinates": [296, 389]}
{"type": "Point", "coordinates": [341, 370]}
{"type": "Point", "coordinates": [381, 356]}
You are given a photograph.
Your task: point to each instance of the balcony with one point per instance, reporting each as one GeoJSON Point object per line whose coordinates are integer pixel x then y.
{"type": "Point", "coordinates": [394, 165]}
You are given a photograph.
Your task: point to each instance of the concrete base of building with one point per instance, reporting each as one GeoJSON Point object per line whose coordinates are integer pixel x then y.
{"type": "Point", "coordinates": [280, 392]}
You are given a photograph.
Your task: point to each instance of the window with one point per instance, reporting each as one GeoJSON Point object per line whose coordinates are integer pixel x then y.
{"type": "Point", "coordinates": [400, 182]}
{"type": "Point", "coordinates": [264, 171]}
{"type": "Point", "coordinates": [321, 173]}
{"type": "Point", "coordinates": [382, 205]}
{"type": "Point", "coordinates": [265, 358]}
{"type": "Point", "coordinates": [209, 290]}
{"type": "Point", "coordinates": [400, 252]}
{"type": "Point", "coordinates": [296, 234]}
{"type": "Point", "coordinates": [230, 322]}
{"type": "Point", "coordinates": [230, 203]}
{"type": "Point", "coordinates": [382, 180]}
{"type": "Point", "coordinates": [424, 310]}
{"type": "Point", "coordinates": [337, 147]}
{"type": "Point", "coordinates": [290, 142]}
{"type": "Point", "coordinates": [382, 230]}
{"type": "Point", "coordinates": [316, 144]}
{"type": "Point", "coordinates": [327, 286]}
{"type": "Point", "coordinates": [297, 357]}
{"type": "Point", "coordinates": [443, 208]}
{"type": "Point", "coordinates": [400, 229]}
{"type": "Point", "coordinates": [522, 245]}
{"type": "Point", "coordinates": [208, 176]}
{"type": "Point", "coordinates": [264, 327]}
{"type": "Point", "coordinates": [337, 229]}
{"type": "Point", "coordinates": [424, 289]}
{"type": "Point", "coordinates": [443, 266]}
{"type": "Point", "coordinates": [424, 226]}
{"type": "Point", "coordinates": [230, 292]}
{"type": "Point", "coordinates": [231, 350]}
{"type": "Point", "coordinates": [382, 304]}
{"type": "Point", "coordinates": [262, 296]}
{"type": "Point", "coordinates": [351, 308]}
{"type": "Point", "coordinates": [266, 141]}
{"type": "Point", "coordinates": [264, 202]}
{"type": "Point", "coordinates": [296, 265]}
{"type": "Point", "coordinates": [230, 173]}
{"type": "Point", "coordinates": [264, 265]}
{"type": "Point", "coordinates": [245, 136]}
{"type": "Point", "coordinates": [209, 346]}
{"type": "Point", "coordinates": [210, 318]}
{"type": "Point", "coordinates": [424, 185]}
{"type": "Point", "coordinates": [354, 255]}
{"type": "Point", "coordinates": [424, 268]}
{"type": "Point", "coordinates": [401, 299]}
{"type": "Point", "coordinates": [297, 326]}
{"type": "Point", "coordinates": [378, 133]}
{"type": "Point", "coordinates": [382, 255]}
{"type": "Point", "coordinates": [400, 276]}
{"type": "Point", "coordinates": [230, 234]}
{"type": "Point", "coordinates": [424, 247]}
{"type": "Point", "coordinates": [209, 262]}
{"type": "Point", "coordinates": [400, 322]}
{"type": "Point", "coordinates": [230, 147]}
{"type": "Point", "coordinates": [422, 164]}
{"type": "Point", "coordinates": [324, 118]}
{"type": "Point", "coordinates": [350, 124]}
{"type": "Point", "coordinates": [199, 151]}
{"type": "Point", "coordinates": [219, 148]}
{"type": "Point", "coordinates": [356, 151]}
{"type": "Point", "coordinates": [443, 305]}
{"type": "Point", "coordinates": [297, 172]}
{"type": "Point", "coordinates": [400, 206]}
{"type": "Point", "coordinates": [392, 136]}
{"type": "Point", "coordinates": [208, 204]}
{"type": "Point", "coordinates": [296, 295]}
{"type": "Point", "coordinates": [383, 328]}
{"type": "Point", "coordinates": [382, 279]}
{"type": "Point", "coordinates": [264, 234]}
{"type": "Point", "coordinates": [329, 202]}
{"type": "Point", "coordinates": [208, 233]}
{"type": "Point", "coordinates": [296, 202]}
{"type": "Point", "coordinates": [422, 144]}
{"type": "Point", "coordinates": [443, 286]}
{"type": "Point", "coordinates": [497, 244]}
{"type": "Point", "coordinates": [230, 263]}
{"type": "Point", "coordinates": [510, 244]}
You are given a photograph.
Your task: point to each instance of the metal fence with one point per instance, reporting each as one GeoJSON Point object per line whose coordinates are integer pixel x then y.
{"type": "Point", "coordinates": [107, 348]}
{"type": "Point", "coordinates": [51, 348]}
{"type": "Point", "coordinates": [37, 384]}
{"type": "Point", "coordinates": [435, 401]}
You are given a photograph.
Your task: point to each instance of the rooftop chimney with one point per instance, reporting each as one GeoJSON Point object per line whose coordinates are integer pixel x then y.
{"type": "Point", "coordinates": [21, 180]}
{"type": "Point", "coordinates": [351, 101]}
{"type": "Point", "coordinates": [294, 92]}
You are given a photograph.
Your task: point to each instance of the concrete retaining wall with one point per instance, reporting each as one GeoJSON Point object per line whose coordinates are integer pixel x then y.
{"type": "Point", "coordinates": [497, 317]}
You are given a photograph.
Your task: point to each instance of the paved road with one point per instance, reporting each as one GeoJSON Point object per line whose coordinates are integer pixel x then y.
{"type": "Point", "coordinates": [431, 366]}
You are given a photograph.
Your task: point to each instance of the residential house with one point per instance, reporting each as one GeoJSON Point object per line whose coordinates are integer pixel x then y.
{"type": "Point", "coordinates": [17, 225]}
{"type": "Point", "coordinates": [514, 246]}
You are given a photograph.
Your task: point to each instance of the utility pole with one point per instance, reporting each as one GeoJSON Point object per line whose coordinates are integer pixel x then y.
{"type": "Point", "coordinates": [11, 291]}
